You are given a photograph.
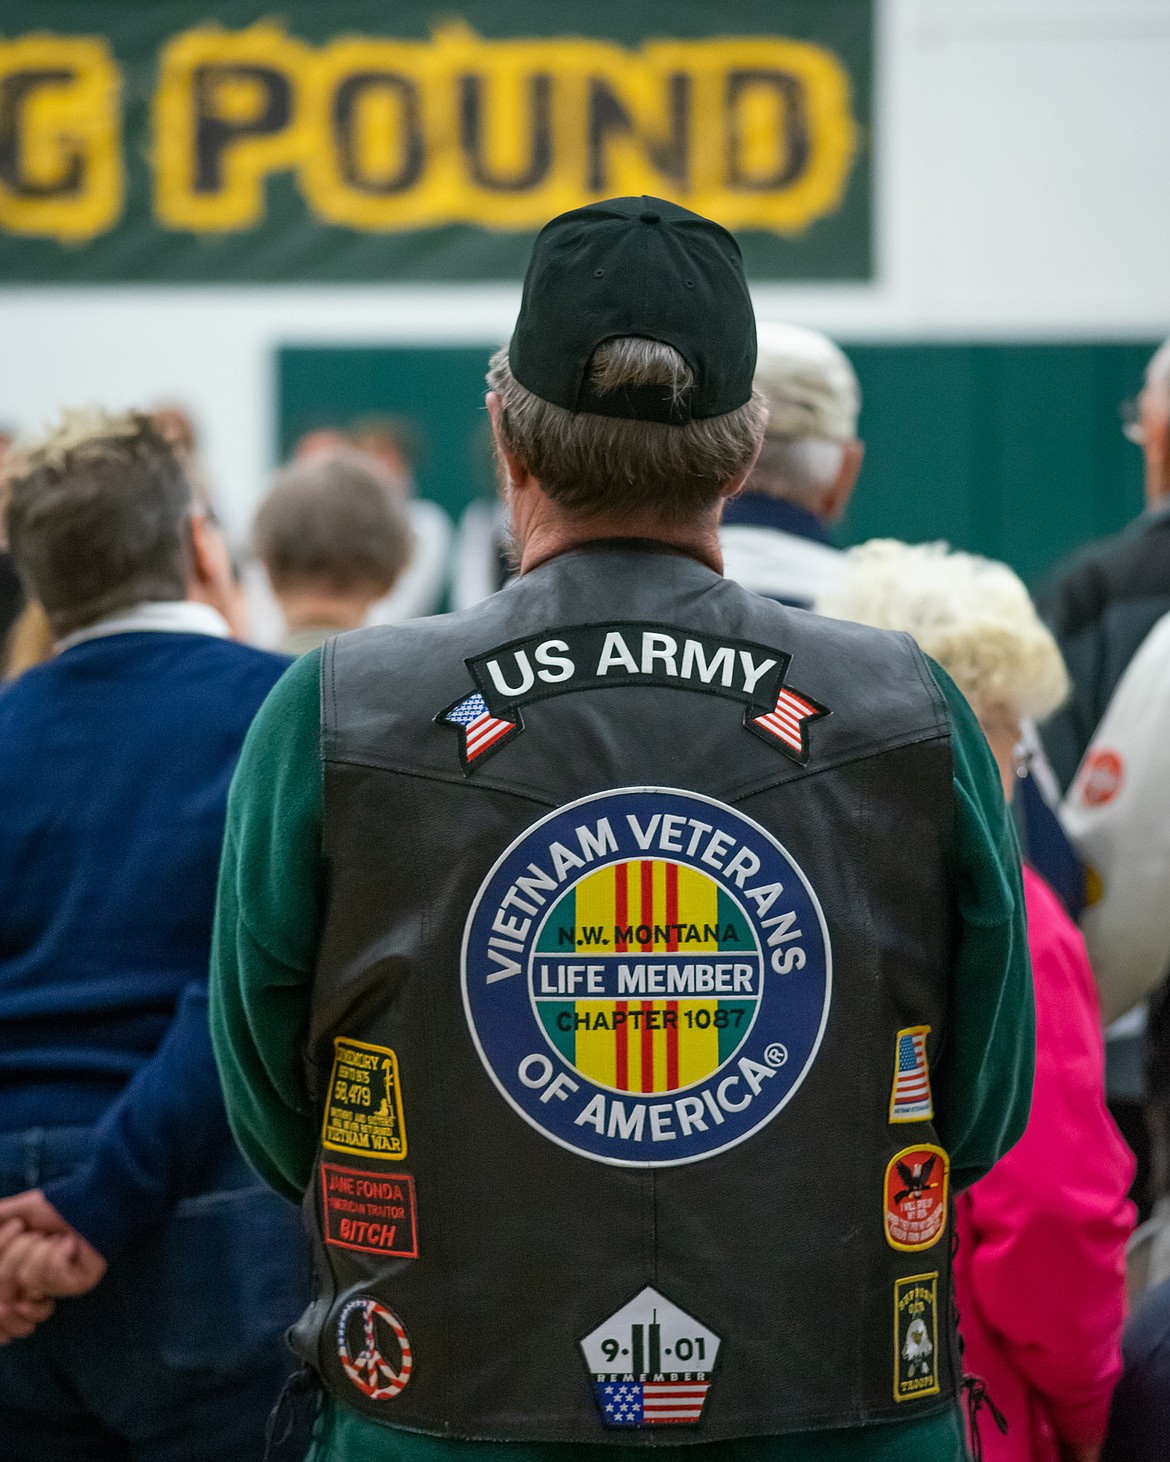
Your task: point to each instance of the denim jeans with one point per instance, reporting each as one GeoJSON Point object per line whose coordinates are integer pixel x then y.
{"type": "Point", "coordinates": [178, 1354]}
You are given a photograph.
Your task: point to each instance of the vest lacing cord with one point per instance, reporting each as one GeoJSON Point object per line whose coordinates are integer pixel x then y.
{"type": "Point", "coordinates": [977, 1394]}
{"type": "Point", "coordinates": [282, 1418]}
{"type": "Point", "coordinates": [978, 1397]}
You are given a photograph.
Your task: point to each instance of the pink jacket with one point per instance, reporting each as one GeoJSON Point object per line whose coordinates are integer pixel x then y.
{"type": "Point", "coordinates": [1040, 1268]}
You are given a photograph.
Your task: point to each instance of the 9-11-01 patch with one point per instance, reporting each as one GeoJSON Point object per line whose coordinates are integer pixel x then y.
{"type": "Point", "coordinates": [650, 1364]}
{"type": "Point", "coordinates": [599, 656]}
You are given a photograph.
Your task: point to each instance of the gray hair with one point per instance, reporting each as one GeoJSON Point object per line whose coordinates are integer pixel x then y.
{"type": "Point", "coordinates": [97, 516]}
{"type": "Point", "coordinates": [610, 466]}
{"type": "Point", "coordinates": [336, 521]}
{"type": "Point", "coordinates": [799, 470]}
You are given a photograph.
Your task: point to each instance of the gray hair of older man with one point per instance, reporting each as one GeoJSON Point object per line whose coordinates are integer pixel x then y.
{"type": "Point", "coordinates": [613, 467]}
{"type": "Point", "coordinates": [97, 515]}
{"type": "Point", "coordinates": [813, 403]}
{"type": "Point", "coordinates": [337, 522]}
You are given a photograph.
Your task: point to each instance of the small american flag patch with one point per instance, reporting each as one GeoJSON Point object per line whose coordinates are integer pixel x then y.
{"type": "Point", "coordinates": [480, 730]}
{"type": "Point", "coordinates": [652, 1403]}
{"type": "Point", "coordinates": [910, 1100]}
{"type": "Point", "coordinates": [788, 720]}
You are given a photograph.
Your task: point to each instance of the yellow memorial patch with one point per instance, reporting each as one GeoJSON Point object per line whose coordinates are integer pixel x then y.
{"type": "Point", "coordinates": [363, 1108]}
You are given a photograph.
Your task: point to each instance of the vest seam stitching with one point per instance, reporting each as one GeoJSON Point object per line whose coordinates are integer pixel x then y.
{"type": "Point", "coordinates": [444, 1269]}
{"type": "Point", "coordinates": [736, 792]}
{"type": "Point", "coordinates": [751, 789]}
{"type": "Point", "coordinates": [447, 780]}
{"type": "Point", "coordinates": [931, 687]}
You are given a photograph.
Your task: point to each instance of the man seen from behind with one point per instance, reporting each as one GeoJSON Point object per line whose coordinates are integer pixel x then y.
{"type": "Point", "coordinates": [625, 971]}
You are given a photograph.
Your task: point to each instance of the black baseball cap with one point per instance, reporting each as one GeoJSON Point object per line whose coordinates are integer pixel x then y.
{"type": "Point", "coordinates": [640, 267]}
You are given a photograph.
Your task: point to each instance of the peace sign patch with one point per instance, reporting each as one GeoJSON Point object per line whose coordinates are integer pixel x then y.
{"type": "Point", "coordinates": [365, 1326]}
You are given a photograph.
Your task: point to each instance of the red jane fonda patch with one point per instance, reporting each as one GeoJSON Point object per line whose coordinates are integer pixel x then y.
{"type": "Point", "coordinates": [1101, 777]}
{"type": "Point", "coordinates": [916, 1197]}
{"type": "Point", "coordinates": [373, 1212]}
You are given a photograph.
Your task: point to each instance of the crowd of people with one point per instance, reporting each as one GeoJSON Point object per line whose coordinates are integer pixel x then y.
{"type": "Point", "coordinates": [148, 1272]}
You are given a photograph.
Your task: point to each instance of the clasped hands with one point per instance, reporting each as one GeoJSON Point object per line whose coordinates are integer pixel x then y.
{"type": "Point", "coordinates": [42, 1259]}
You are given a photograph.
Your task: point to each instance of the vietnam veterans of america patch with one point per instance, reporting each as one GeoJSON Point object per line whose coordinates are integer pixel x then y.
{"type": "Point", "coordinates": [646, 976]}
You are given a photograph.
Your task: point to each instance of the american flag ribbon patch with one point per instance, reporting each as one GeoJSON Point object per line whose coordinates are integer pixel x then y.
{"type": "Point", "coordinates": [788, 720]}
{"type": "Point", "coordinates": [481, 731]}
{"type": "Point", "coordinates": [910, 1100]}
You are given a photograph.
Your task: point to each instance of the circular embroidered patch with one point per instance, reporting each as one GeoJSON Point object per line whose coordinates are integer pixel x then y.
{"type": "Point", "coordinates": [359, 1340]}
{"type": "Point", "coordinates": [1101, 777]}
{"type": "Point", "coordinates": [646, 976]}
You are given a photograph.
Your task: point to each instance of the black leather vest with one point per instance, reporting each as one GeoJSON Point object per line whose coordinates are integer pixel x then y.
{"type": "Point", "coordinates": [632, 981]}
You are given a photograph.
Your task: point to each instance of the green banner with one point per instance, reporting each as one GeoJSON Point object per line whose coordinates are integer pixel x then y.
{"type": "Point", "coordinates": [361, 141]}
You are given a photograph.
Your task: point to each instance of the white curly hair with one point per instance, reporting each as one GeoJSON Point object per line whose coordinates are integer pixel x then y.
{"type": "Point", "coordinates": [973, 615]}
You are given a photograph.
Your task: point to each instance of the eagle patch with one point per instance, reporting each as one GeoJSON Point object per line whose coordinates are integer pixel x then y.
{"type": "Point", "coordinates": [915, 1208]}
{"type": "Point", "coordinates": [916, 1337]}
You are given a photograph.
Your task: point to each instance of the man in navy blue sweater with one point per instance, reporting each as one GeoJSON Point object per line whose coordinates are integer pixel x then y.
{"type": "Point", "coordinates": [124, 1188]}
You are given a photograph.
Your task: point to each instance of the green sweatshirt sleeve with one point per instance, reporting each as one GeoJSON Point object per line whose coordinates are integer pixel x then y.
{"type": "Point", "coordinates": [983, 1081]}
{"type": "Point", "coordinates": [267, 927]}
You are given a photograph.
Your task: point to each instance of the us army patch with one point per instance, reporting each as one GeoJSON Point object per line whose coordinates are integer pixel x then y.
{"type": "Point", "coordinates": [916, 1337]}
{"type": "Point", "coordinates": [374, 1349]}
{"type": "Point", "coordinates": [598, 656]}
{"type": "Point", "coordinates": [363, 1108]}
{"type": "Point", "coordinates": [650, 1364]}
{"type": "Point", "coordinates": [646, 976]}
{"type": "Point", "coordinates": [915, 1201]}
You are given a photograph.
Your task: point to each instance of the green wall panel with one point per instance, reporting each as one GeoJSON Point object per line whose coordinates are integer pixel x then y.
{"type": "Point", "coordinates": [1005, 449]}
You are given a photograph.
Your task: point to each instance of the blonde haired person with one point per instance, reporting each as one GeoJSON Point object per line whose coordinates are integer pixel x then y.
{"type": "Point", "coordinates": [972, 615]}
{"type": "Point", "coordinates": [1040, 1273]}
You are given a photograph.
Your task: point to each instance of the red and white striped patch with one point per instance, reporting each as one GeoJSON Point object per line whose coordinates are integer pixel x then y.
{"type": "Point", "coordinates": [485, 731]}
{"type": "Point", "coordinates": [369, 1370]}
{"type": "Point", "coordinates": [673, 1401]}
{"type": "Point", "coordinates": [788, 719]}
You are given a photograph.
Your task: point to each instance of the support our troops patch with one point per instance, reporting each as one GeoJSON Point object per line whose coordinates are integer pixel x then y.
{"type": "Point", "coordinates": [646, 976]}
{"type": "Point", "coordinates": [916, 1337]}
{"type": "Point", "coordinates": [599, 656]}
{"type": "Point", "coordinates": [650, 1364]}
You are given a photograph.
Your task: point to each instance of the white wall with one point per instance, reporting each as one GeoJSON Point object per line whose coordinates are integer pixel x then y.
{"type": "Point", "coordinates": [1020, 193]}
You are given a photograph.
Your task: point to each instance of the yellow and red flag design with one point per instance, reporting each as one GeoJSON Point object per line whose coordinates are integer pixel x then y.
{"type": "Point", "coordinates": [647, 976]}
